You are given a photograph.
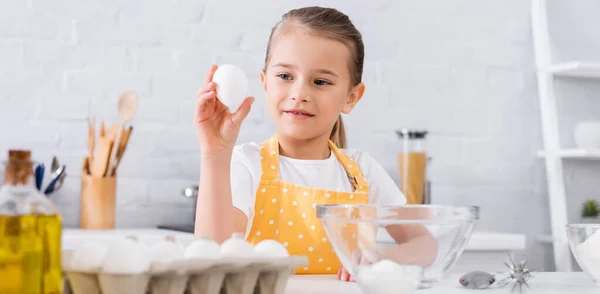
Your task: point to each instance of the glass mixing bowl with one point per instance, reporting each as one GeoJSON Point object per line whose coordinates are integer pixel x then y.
{"type": "Point", "coordinates": [391, 247]}
{"type": "Point", "coordinates": [584, 241]}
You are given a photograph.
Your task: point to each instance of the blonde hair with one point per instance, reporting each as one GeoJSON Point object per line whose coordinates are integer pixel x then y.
{"type": "Point", "coordinates": [332, 24]}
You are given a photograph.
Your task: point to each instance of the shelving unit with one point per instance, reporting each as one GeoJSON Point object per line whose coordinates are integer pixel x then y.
{"type": "Point", "coordinates": [553, 154]}
{"type": "Point", "coordinates": [579, 69]}
{"type": "Point", "coordinates": [573, 153]}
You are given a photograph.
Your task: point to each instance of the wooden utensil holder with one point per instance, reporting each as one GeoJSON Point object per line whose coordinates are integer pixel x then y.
{"type": "Point", "coordinates": [98, 202]}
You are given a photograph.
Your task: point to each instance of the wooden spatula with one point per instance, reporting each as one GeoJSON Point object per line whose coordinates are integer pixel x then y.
{"type": "Point", "coordinates": [122, 146]}
{"type": "Point", "coordinates": [91, 136]}
{"type": "Point", "coordinates": [100, 161]}
{"type": "Point", "coordinates": [102, 132]}
{"type": "Point", "coordinates": [112, 131]}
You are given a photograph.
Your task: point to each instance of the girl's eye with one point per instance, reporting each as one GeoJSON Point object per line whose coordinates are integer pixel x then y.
{"type": "Point", "coordinates": [322, 82]}
{"type": "Point", "coordinates": [284, 76]}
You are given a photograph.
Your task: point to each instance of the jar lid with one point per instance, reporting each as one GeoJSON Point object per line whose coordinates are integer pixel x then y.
{"type": "Point", "coordinates": [19, 155]}
{"type": "Point", "coordinates": [411, 133]}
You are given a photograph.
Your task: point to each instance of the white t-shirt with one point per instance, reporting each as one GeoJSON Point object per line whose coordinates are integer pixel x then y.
{"type": "Point", "coordinates": [246, 171]}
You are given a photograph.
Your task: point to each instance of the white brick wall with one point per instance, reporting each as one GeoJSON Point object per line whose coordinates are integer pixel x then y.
{"type": "Point", "coordinates": [462, 69]}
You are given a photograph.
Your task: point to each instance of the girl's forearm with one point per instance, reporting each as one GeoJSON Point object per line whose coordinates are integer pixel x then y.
{"type": "Point", "coordinates": [214, 210]}
{"type": "Point", "coordinates": [421, 250]}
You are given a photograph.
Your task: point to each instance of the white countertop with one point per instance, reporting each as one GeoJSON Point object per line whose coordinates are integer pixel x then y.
{"type": "Point", "coordinates": [545, 282]}
{"type": "Point", "coordinates": [72, 238]}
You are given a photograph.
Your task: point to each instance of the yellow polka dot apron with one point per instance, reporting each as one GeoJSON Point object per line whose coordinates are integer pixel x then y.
{"type": "Point", "coordinates": [286, 212]}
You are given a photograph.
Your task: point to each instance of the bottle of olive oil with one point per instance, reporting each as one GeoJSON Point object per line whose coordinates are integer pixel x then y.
{"type": "Point", "coordinates": [30, 232]}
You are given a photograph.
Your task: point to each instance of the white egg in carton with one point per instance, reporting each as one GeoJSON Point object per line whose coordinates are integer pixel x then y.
{"type": "Point", "coordinates": [168, 267]}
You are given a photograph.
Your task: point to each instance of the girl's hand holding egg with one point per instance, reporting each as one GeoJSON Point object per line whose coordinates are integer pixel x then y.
{"type": "Point", "coordinates": [221, 106]}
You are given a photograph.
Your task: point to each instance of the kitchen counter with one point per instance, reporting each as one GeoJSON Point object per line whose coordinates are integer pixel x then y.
{"type": "Point", "coordinates": [485, 251]}
{"type": "Point", "coordinates": [544, 282]}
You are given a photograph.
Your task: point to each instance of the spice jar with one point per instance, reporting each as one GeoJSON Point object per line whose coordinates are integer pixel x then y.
{"type": "Point", "coordinates": [412, 165]}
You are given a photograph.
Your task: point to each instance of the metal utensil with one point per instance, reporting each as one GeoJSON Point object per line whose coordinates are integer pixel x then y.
{"type": "Point", "coordinates": [60, 182]}
{"type": "Point", "coordinates": [39, 176]}
{"type": "Point", "coordinates": [52, 184]}
{"type": "Point", "coordinates": [54, 166]}
{"type": "Point", "coordinates": [519, 274]}
{"type": "Point", "coordinates": [191, 192]}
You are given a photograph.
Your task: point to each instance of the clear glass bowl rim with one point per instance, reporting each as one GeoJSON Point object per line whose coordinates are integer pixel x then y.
{"type": "Point", "coordinates": [322, 209]}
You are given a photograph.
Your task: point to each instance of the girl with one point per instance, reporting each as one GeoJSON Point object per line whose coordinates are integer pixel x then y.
{"type": "Point", "coordinates": [312, 74]}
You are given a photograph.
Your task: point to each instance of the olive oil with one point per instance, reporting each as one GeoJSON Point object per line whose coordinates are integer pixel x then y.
{"type": "Point", "coordinates": [30, 254]}
{"type": "Point", "coordinates": [30, 233]}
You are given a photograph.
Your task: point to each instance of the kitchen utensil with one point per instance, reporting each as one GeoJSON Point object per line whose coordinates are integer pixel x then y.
{"type": "Point", "coordinates": [518, 274]}
{"type": "Point", "coordinates": [54, 166]}
{"type": "Point", "coordinates": [91, 136]}
{"type": "Point", "coordinates": [54, 180]}
{"type": "Point", "coordinates": [127, 107]}
{"type": "Point", "coordinates": [99, 164]}
{"type": "Point", "coordinates": [191, 192]}
{"type": "Point", "coordinates": [477, 280]}
{"type": "Point", "coordinates": [39, 176]}
{"type": "Point", "coordinates": [584, 241]}
{"type": "Point", "coordinates": [60, 181]}
{"type": "Point", "coordinates": [412, 165]}
{"type": "Point", "coordinates": [123, 145]}
{"type": "Point", "coordinates": [102, 129]}
{"type": "Point", "coordinates": [112, 131]}
{"type": "Point", "coordinates": [359, 235]}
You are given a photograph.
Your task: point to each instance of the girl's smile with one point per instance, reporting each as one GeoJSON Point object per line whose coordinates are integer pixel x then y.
{"type": "Point", "coordinates": [299, 114]}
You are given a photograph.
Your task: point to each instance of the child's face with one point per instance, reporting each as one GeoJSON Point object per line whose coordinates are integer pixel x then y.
{"type": "Point", "coordinates": [307, 84]}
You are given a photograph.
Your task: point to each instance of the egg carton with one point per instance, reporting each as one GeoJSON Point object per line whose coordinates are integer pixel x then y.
{"type": "Point", "coordinates": [256, 275]}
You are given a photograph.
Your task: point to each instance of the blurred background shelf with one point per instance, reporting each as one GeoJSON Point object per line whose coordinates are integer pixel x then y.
{"type": "Point", "coordinates": [573, 153]}
{"type": "Point", "coordinates": [577, 68]}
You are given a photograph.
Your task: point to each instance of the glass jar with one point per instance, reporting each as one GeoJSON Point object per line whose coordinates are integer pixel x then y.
{"type": "Point", "coordinates": [412, 165]}
{"type": "Point", "coordinates": [30, 232]}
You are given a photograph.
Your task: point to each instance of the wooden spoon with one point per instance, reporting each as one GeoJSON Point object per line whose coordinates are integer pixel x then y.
{"type": "Point", "coordinates": [128, 103]}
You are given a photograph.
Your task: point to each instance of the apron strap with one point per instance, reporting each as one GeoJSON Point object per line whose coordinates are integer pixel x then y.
{"type": "Point", "coordinates": [357, 180]}
{"type": "Point", "coordinates": [270, 164]}
{"type": "Point", "coordinates": [269, 159]}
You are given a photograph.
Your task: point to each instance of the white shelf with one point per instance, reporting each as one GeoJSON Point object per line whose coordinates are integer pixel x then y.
{"type": "Point", "coordinates": [547, 238]}
{"type": "Point", "coordinates": [582, 69]}
{"type": "Point", "coordinates": [591, 154]}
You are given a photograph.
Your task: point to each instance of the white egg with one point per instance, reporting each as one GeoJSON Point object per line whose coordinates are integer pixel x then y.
{"type": "Point", "coordinates": [126, 256]}
{"type": "Point", "coordinates": [202, 247]}
{"type": "Point", "coordinates": [88, 257]}
{"type": "Point", "coordinates": [166, 250]}
{"type": "Point", "coordinates": [232, 85]}
{"type": "Point", "coordinates": [271, 248]}
{"type": "Point", "coordinates": [236, 246]}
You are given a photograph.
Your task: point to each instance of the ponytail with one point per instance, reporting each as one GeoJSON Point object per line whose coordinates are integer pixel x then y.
{"type": "Point", "coordinates": [338, 134]}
